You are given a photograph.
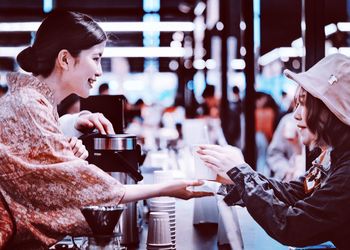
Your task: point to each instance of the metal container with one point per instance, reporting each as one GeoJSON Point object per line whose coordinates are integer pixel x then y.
{"type": "Point", "coordinates": [119, 154]}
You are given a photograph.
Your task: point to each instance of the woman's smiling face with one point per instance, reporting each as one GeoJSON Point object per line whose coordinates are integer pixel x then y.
{"type": "Point", "coordinates": [86, 70]}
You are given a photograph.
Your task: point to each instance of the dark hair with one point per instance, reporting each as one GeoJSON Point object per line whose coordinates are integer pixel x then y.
{"type": "Point", "coordinates": [324, 124]}
{"type": "Point", "coordinates": [68, 30]}
{"type": "Point", "coordinates": [3, 88]}
{"type": "Point", "coordinates": [209, 91]}
{"type": "Point", "coordinates": [66, 103]}
{"type": "Point", "coordinates": [103, 87]}
{"type": "Point", "coordinates": [235, 89]}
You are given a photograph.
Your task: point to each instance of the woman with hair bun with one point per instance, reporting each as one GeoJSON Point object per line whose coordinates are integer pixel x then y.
{"type": "Point", "coordinates": [43, 184]}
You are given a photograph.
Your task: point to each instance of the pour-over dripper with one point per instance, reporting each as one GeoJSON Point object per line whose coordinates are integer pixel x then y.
{"type": "Point", "coordinates": [102, 219]}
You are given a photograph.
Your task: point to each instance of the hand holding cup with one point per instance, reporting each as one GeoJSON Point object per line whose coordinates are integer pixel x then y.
{"type": "Point", "coordinates": [221, 159]}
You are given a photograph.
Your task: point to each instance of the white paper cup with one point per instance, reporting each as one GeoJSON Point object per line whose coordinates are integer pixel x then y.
{"type": "Point", "coordinates": [159, 230]}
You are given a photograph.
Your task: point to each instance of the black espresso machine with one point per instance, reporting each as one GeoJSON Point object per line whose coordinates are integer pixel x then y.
{"type": "Point", "coordinates": [118, 154]}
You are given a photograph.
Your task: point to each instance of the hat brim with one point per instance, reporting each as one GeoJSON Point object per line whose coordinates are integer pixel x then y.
{"type": "Point", "coordinates": [304, 81]}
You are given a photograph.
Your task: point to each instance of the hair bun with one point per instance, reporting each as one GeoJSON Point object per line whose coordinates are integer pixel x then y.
{"type": "Point", "coordinates": [27, 59]}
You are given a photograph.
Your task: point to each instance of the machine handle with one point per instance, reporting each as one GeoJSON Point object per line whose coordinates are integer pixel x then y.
{"type": "Point", "coordinates": [130, 169]}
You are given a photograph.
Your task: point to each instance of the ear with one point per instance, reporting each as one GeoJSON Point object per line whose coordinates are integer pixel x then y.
{"type": "Point", "coordinates": [64, 59]}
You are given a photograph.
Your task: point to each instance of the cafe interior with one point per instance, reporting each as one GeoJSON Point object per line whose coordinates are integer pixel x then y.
{"type": "Point", "coordinates": [179, 73]}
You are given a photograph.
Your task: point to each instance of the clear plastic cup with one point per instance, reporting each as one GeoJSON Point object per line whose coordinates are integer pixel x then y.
{"type": "Point", "coordinates": [202, 172]}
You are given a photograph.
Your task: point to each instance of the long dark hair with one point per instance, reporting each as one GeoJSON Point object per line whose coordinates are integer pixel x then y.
{"type": "Point", "coordinates": [68, 30]}
{"type": "Point", "coordinates": [329, 130]}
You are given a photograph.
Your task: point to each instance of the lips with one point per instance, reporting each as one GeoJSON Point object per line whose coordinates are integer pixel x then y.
{"type": "Point", "coordinates": [301, 127]}
{"type": "Point", "coordinates": [91, 82]}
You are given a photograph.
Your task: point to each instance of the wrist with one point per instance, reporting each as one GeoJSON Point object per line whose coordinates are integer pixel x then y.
{"type": "Point", "coordinates": [161, 189]}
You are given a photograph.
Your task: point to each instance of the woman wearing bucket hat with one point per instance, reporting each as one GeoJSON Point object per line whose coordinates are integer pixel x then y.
{"type": "Point", "coordinates": [313, 209]}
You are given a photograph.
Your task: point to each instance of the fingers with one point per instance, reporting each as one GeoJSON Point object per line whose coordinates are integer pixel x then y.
{"type": "Point", "coordinates": [194, 183]}
{"type": "Point", "coordinates": [96, 120]}
{"type": "Point", "coordinates": [198, 194]}
{"type": "Point", "coordinates": [212, 160]}
{"type": "Point", "coordinates": [84, 155]}
{"type": "Point", "coordinates": [106, 124]}
{"type": "Point", "coordinates": [72, 143]}
{"type": "Point", "coordinates": [78, 148]}
{"type": "Point", "coordinates": [212, 166]}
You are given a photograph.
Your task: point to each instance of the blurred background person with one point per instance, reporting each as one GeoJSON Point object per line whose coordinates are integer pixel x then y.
{"type": "Point", "coordinates": [266, 115]}
{"type": "Point", "coordinates": [69, 105]}
{"type": "Point", "coordinates": [210, 105]}
{"type": "Point", "coordinates": [284, 154]}
{"type": "Point", "coordinates": [232, 128]}
{"type": "Point", "coordinates": [103, 89]}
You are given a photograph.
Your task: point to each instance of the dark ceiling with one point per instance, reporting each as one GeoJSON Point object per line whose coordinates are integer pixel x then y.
{"type": "Point", "coordinates": [280, 20]}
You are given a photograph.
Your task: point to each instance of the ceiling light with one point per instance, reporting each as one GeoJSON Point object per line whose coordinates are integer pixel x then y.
{"type": "Point", "coordinates": [109, 26]}
{"type": "Point", "coordinates": [117, 51]}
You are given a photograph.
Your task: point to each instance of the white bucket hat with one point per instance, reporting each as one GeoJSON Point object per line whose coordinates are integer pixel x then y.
{"type": "Point", "coordinates": [329, 81]}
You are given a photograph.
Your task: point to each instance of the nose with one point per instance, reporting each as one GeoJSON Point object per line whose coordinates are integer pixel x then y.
{"type": "Point", "coordinates": [297, 113]}
{"type": "Point", "coordinates": [99, 70]}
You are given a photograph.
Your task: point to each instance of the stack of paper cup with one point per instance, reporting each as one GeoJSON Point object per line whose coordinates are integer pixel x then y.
{"type": "Point", "coordinates": [166, 205]}
{"type": "Point", "coordinates": [159, 232]}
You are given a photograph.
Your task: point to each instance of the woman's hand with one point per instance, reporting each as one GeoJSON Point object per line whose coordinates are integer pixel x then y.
{"type": "Point", "coordinates": [78, 148]}
{"type": "Point", "coordinates": [182, 189]}
{"type": "Point", "coordinates": [221, 159]}
{"type": "Point", "coordinates": [88, 121]}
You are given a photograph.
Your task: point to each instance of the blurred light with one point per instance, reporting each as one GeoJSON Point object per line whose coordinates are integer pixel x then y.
{"type": "Point", "coordinates": [188, 64]}
{"type": "Point", "coordinates": [296, 64]}
{"type": "Point", "coordinates": [151, 5]}
{"type": "Point", "coordinates": [184, 7]}
{"type": "Point", "coordinates": [210, 64]}
{"type": "Point", "coordinates": [303, 25]}
{"type": "Point", "coordinates": [298, 43]}
{"type": "Point", "coordinates": [238, 64]}
{"type": "Point", "coordinates": [47, 6]}
{"type": "Point", "coordinates": [178, 36]}
{"type": "Point", "coordinates": [219, 26]}
{"type": "Point", "coordinates": [279, 53]}
{"type": "Point", "coordinates": [199, 64]}
{"type": "Point", "coordinates": [188, 52]}
{"type": "Point", "coordinates": [269, 57]}
{"type": "Point", "coordinates": [109, 26]}
{"type": "Point", "coordinates": [199, 9]}
{"type": "Point", "coordinates": [173, 65]}
{"type": "Point", "coordinates": [10, 51]}
{"type": "Point", "coordinates": [284, 58]}
{"type": "Point", "coordinates": [242, 25]}
{"type": "Point", "coordinates": [190, 84]}
{"type": "Point", "coordinates": [116, 52]}
{"type": "Point", "coordinates": [344, 26]}
{"type": "Point", "coordinates": [175, 44]}
{"type": "Point", "coordinates": [330, 29]}
{"type": "Point", "coordinates": [242, 51]}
